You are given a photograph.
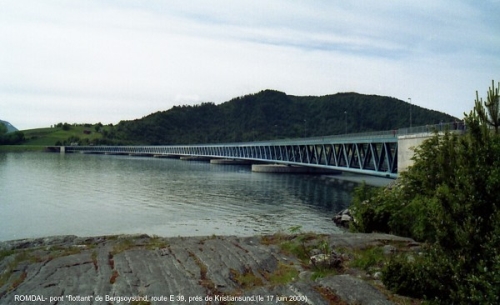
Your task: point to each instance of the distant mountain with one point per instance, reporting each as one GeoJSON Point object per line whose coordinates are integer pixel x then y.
{"type": "Point", "coordinates": [10, 127]}
{"type": "Point", "coordinates": [272, 114]}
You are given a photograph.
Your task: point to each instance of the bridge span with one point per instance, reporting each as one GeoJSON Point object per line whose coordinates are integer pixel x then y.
{"type": "Point", "coordinates": [374, 153]}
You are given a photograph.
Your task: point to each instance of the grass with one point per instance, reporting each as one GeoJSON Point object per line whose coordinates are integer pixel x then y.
{"type": "Point", "coordinates": [204, 280]}
{"type": "Point", "coordinates": [284, 274]}
{"type": "Point", "coordinates": [5, 253]}
{"type": "Point", "coordinates": [323, 272]}
{"type": "Point", "coordinates": [246, 279]}
{"type": "Point", "coordinates": [368, 258]}
{"type": "Point", "coordinates": [49, 136]}
{"type": "Point", "coordinates": [156, 242]}
{"type": "Point", "coordinates": [18, 281]}
{"type": "Point", "coordinates": [35, 255]}
{"type": "Point", "coordinates": [93, 256]}
{"type": "Point", "coordinates": [298, 245]}
{"type": "Point", "coordinates": [329, 295]}
{"type": "Point", "coordinates": [12, 265]}
{"type": "Point", "coordinates": [21, 148]}
{"type": "Point", "coordinates": [127, 243]}
{"type": "Point", "coordinates": [37, 139]}
{"type": "Point", "coordinates": [122, 245]}
{"type": "Point", "coordinates": [23, 256]}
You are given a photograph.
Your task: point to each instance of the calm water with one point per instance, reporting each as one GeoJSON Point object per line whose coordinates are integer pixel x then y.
{"type": "Point", "coordinates": [44, 194]}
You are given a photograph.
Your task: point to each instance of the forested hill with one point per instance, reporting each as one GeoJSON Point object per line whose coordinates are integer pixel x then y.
{"type": "Point", "coordinates": [271, 114]}
{"type": "Point", "coordinates": [8, 127]}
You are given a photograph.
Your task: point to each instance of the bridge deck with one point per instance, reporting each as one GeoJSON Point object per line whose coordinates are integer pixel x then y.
{"type": "Point", "coordinates": [369, 153]}
{"type": "Point", "coordinates": [374, 155]}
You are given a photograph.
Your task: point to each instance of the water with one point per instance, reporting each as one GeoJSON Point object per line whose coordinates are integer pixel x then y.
{"type": "Point", "coordinates": [43, 194]}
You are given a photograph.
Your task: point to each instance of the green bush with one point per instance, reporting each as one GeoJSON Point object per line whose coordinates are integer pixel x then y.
{"type": "Point", "coordinates": [392, 211]}
{"type": "Point", "coordinates": [449, 198]}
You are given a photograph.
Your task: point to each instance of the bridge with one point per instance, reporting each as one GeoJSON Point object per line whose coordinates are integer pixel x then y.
{"type": "Point", "coordinates": [369, 153]}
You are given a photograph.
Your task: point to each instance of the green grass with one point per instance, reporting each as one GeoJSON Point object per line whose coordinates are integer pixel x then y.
{"type": "Point", "coordinates": [37, 139]}
{"type": "Point", "coordinates": [323, 272]}
{"type": "Point", "coordinates": [49, 136]}
{"type": "Point", "coordinates": [368, 258]}
{"type": "Point", "coordinates": [21, 148]}
{"type": "Point", "coordinates": [284, 274]}
{"type": "Point", "coordinates": [247, 279]}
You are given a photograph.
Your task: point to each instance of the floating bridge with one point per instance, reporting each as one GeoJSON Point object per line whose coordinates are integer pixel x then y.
{"type": "Point", "coordinates": [374, 153]}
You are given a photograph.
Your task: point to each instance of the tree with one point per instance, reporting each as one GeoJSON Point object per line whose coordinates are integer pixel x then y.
{"type": "Point", "coordinates": [3, 129]}
{"type": "Point", "coordinates": [66, 126]}
{"type": "Point", "coordinates": [450, 199]}
{"type": "Point", "coordinates": [489, 113]}
{"type": "Point", "coordinates": [98, 127]}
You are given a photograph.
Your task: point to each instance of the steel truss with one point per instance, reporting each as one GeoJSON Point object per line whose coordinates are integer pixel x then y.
{"type": "Point", "coordinates": [373, 157]}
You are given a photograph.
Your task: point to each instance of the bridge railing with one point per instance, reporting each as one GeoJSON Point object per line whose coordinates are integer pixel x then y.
{"type": "Point", "coordinates": [368, 135]}
{"type": "Point", "coordinates": [398, 132]}
{"type": "Point", "coordinates": [459, 125]}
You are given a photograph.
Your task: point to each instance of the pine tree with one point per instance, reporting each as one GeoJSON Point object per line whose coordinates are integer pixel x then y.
{"type": "Point", "coordinates": [491, 106]}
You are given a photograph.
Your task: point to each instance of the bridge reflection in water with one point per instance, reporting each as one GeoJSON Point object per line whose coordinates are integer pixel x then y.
{"type": "Point", "coordinates": [367, 153]}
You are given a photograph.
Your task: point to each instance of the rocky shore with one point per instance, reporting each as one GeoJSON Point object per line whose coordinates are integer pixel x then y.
{"type": "Point", "coordinates": [141, 269]}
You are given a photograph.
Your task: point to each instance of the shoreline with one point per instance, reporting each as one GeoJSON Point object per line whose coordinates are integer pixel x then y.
{"type": "Point", "coordinates": [21, 148]}
{"type": "Point", "coordinates": [351, 181]}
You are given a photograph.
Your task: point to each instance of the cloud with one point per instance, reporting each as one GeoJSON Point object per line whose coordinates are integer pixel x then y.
{"type": "Point", "coordinates": [107, 61]}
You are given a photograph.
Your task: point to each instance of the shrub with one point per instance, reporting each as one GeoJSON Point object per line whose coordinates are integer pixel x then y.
{"type": "Point", "coordinates": [449, 198]}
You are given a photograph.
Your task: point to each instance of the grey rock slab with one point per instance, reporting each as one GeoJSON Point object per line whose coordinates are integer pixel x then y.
{"type": "Point", "coordinates": [364, 240]}
{"type": "Point", "coordinates": [127, 266]}
{"type": "Point", "coordinates": [354, 290]}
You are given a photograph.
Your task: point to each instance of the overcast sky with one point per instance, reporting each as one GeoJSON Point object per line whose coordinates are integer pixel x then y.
{"type": "Point", "coordinates": [105, 61]}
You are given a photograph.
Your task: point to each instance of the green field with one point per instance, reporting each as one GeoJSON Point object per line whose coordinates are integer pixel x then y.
{"type": "Point", "coordinates": [50, 136]}
{"type": "Point", "coordinates": [21, 148]}
{"type": "Point", "coordinates": [39, 138]}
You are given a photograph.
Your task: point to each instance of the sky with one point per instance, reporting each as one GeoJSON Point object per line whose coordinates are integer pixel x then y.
{"type": "Point", "coordinates": [106, 61]}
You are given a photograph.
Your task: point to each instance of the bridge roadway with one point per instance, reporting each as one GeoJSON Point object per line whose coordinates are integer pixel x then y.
{"type": "Point", "coordinates": [372, 153]}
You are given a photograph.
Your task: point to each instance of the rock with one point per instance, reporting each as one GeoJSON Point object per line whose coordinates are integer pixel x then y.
{"type": "Point", "coordinates": [332, 260]}
{"type": "Point", "coordinates": [377, 275]}
{"type": "Point", "coordinates": [354, 290]}
{"type": "Point", "coordinates": [389, 249]}
{"type": "Point", "coordinates": [181, 266]}
{"type": "Point", "coordinates": [315, 252]}
{"type": "Point", "coordinates": [320, 260]}
{"type": "Point", "coordinates": [343, 218]}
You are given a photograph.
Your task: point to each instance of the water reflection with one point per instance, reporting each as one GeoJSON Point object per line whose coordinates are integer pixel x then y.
{"type": "Point", "coordinates": [48, 194]}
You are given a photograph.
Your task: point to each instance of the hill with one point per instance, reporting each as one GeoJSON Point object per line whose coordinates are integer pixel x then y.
{"type": "Point", "coordinates": [264, 115]}
{"type": "Point", "coordinates": [9, 135]}
{"type": "Point", "coordinates": [9, 126]}
{"type": "Point", "coordinates": [272, 114]}
{"type": "Point", "coordinates": [65, 134]}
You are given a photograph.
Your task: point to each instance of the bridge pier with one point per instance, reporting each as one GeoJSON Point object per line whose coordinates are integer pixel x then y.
{"type": "Point", "coordinates": [280, 168]}
{"type": "Point", "coordinates": [140, 155]}
{"type": "Point", "coordinates": [167, 156]}
{"type": "Point", "coordinates": [406, 148]}
{"type": "Point", "coordinates": [230, 162]}
{"type": "Point", "coordinates": [194, 158]}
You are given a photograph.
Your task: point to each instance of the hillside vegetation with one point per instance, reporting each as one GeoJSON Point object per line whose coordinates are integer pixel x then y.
{"type": "Point", "coordinates": [270, 115]}
{"type": "Point", "coordinates": [262, 116]}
